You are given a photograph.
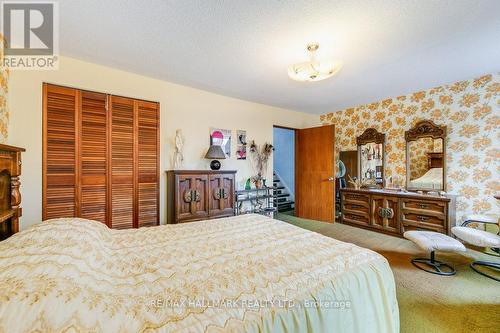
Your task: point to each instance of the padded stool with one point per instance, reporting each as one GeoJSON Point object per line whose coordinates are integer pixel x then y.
{"type": "Point", "coordinates": [431, 241]}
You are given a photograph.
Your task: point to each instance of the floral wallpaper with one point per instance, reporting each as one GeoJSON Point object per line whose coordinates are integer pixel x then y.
{"type": "Point", "coordinates": [471, 111]}
{"type": "Point", "coordinates": [4, 89]}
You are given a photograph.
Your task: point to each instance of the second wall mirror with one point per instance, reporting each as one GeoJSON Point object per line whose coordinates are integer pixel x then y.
{"type": "Point", "coordinates": [426, 157]}
{"type": "Point", "coordinates": [371, 158]}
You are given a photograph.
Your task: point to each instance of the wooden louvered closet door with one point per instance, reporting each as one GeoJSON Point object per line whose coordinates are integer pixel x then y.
{"type": "Point", "coordinates": [59, 152]}
{"type": "Point", "coordinates": [122, 162]}
{"type": "Point", "coordinates": [93, 156]}
{"type": "Point", "coordinates": [101, 158]}
{"type": "Point", "coordinates": [147, 163]}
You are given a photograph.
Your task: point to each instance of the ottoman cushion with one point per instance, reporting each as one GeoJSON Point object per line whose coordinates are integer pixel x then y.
{"type": "Point", "coordinates": [434, 241]}
{"type": "Point", "coordinates": [476, 237]}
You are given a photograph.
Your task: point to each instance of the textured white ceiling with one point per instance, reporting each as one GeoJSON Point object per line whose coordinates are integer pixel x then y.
{"type": "Point", "coordinates": [241, 48]}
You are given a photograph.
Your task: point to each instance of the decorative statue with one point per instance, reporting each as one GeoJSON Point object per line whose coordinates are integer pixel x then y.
{"type": "Point", "coordinates": [178, 156]}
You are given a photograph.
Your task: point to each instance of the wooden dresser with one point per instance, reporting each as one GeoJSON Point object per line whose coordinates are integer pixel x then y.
{"type": "Point", "coordinates": [10, 197]}
{"type": "Point", "coordinates": [396, 212]}
{"type": "Point", "coordinates": [199, 195]}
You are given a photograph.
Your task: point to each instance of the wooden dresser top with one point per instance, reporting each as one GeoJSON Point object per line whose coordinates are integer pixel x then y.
{"type": "Point", "coordinates": [401, 194]}
{"type": "Point", "coordinates": [10, 148]}
{"type": "Point", "coordinates": [191, 172]}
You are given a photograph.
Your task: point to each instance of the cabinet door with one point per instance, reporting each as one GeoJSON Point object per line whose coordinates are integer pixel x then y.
{"type": "Point", "coordinates": [60, 152]}
{"type": "Point", "coordinates": [191, 197]}
{"type": "Point", "coordinates": [121, 182]}
{"type": "Point", "coordinates": [385, 211]}
{"type": "Point", "coordinates": [221, 196]}
{"type": "Point", "coordinates": [147, 164]}
{"type": "Point", "coordinates": [93, 156]}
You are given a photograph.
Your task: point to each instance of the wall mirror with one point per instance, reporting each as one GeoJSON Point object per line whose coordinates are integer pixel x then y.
{"type": "Point", "coordinates": [371, 158]}
{"type": "Point", "coordinates": [426, 157]}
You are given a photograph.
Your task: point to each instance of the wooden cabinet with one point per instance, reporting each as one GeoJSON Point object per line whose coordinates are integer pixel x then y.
{"type": "Point", "coordinates": [396, 212]}
{"type": "Point", "coordinates": [10, 196]}
{"type": "Point", "coordinates": [100, 157]}
{"type": "Point", "coordinates": [199, 195]}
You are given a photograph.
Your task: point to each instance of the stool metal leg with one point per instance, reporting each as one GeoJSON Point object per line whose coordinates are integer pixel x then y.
{"type": "Point", "coordinates": [435, 266]}
{"type": "Point", "coordinates": [491, 265]}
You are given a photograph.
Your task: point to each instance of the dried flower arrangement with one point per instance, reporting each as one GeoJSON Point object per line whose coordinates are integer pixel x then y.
{"type": "Point", "coordinates": [367, 183]}
{"type": "Point", "coordinates": [355, 182]}
{"type": "Point", "coordinates": [260, 157]}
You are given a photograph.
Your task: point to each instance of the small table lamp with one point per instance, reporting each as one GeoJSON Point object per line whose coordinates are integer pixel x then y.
{"type": "Point", "coordinates": [215, 152]}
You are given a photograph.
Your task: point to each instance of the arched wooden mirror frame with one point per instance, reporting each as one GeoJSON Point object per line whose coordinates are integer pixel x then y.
{"type": "Point", "coordinates": [371, 135]}
{"type": "Point", "coordinates": [425, 129]}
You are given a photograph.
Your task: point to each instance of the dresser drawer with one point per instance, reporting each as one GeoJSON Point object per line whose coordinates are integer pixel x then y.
{"type": "Point", "coordinates": [424, 206]}
{"type": "Point", "coordinates": [357, 207]}
{"type": "Point", "coordinates": [355, 218]}
{"type": "Point", "coordinates": [356, 198]}
{"type": "Point", "coordinates": [423, 218]}
{"type": "Point", "coordinates": [418, 221]}
{"type": "Point", "coordinates": [408, 226]}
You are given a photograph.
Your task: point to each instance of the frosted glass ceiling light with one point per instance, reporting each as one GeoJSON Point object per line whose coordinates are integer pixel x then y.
{"type": "Point", "coordinates": [313, 70]}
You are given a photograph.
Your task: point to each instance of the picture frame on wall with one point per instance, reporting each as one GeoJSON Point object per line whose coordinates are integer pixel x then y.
{"type": "Point", "coordinates": [221, 137]}
{"type": "Point", "coordinates": [241, 144]}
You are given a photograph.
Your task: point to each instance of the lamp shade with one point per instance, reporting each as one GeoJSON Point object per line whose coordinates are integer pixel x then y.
{"type": "Point", "coordinates": [215, 152]}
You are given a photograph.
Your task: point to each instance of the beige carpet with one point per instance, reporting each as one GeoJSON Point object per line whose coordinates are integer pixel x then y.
{"type": "Point", "coordinates": [466, 302]}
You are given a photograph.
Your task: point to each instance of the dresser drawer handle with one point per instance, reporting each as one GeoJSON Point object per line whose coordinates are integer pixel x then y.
{"type": "Point", "coordinates": [423, 218]}
{"type": "Point", "coordinates": [386, 213]}
{"type": "Point", "coordinates": [357, 218]}
{"type": "Point", "coordinates": [355, 206]}
{"type": "Point", "coordinates": [423, 206]}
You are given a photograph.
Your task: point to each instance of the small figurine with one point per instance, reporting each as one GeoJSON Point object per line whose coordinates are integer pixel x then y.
{"type": "Point", "coordinates": [178, 156]}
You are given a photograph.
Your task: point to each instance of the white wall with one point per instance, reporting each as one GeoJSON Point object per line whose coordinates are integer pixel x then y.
{"type": "Point", "coordinates": [192, 110]}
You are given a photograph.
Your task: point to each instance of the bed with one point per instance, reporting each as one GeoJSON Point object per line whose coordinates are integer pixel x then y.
{"type": "Point", "coordinates": [240, 274]}
{"type": "Point", "coordinates": [432, 179]}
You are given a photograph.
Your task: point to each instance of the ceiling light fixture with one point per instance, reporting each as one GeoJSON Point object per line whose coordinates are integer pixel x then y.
{"type": "Point", "coordinates": [313, 70]}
